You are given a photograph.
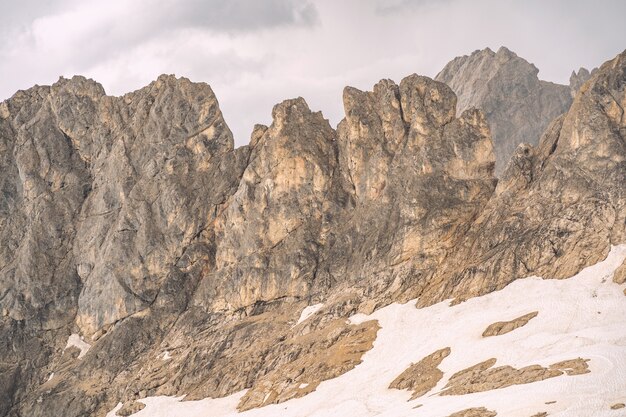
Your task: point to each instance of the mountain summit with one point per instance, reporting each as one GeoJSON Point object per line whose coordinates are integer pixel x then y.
{"type": "Point", "coordinates": [518, 105]}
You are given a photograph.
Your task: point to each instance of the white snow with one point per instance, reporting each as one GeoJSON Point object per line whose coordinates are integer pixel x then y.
{"type": "Point", "coordinates": [165, 355]}
{"type": "Point", "coordinates": [51, 376]}
{"type": "Point", "coordinates": [308, 312]}
{"type": "Point", "coordinates": [302, 386]}
{"type": "Point", "coordinates": [584, 316]}
{"type": "Point", "coordinates": [78, 341]}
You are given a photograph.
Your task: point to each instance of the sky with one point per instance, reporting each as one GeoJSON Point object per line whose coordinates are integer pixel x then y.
{"type": "Point", "coordinates": [256, 53]}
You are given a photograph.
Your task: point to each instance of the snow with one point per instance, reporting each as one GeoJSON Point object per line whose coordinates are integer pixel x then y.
{"type": "Point", "coordinates": [165, 355]}
{"type": "Point", "coordinates": [78, 341]}
{"type": "Point", "coordinates": [584, 316]}
{"type": "Point", "coordinates": [308, 312]}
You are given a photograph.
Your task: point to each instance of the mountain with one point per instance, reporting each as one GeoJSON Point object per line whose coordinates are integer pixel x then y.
{"type": "Point", "coordinates": [316, 271]}
{"type": "Point", "coordinates": [517, 104]}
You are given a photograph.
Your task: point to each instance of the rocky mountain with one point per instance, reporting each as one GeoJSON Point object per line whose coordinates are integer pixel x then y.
{"type": "Point", "coordinates": [577, 79]}
{"type": "Point", "coordinates": [517, 104]}
{"type": "Point", "coordinates": [144, 258]}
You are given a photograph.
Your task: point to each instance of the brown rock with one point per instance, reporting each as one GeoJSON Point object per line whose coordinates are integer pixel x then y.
{"type": "Point", "coordinates": [330, 352]}
{"type": "Point", "coordinates": [422, 376]}
{"type": "Point", "coordinates": [130, 407]}
{"type": "Point", "coordinates": [484, 377]}
{"type": "Point", "coordinates": [474, 412]}
{"type": "Point", "coordinates": [619, 276]}
{"type": "Point", "coordinates": [503, 327]}
{"type": "Point", "coordinates": [557, 208]}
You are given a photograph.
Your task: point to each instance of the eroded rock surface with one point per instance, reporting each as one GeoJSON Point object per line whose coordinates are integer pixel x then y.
{"type": "Point", "coordinates": [518, 105]}
{"type": "Point", "coordinates": [484, 377]}
{"type": "Point", "coordinates": [558, 206]}
{"type": "Point", "coordinates": [422, 376]}
{"type": "Point", "coordinates": [133, 224]}
{"type": "Point", "coordinates": [503, 327]}
{"type": "Point", "coordinates": [474, 412]}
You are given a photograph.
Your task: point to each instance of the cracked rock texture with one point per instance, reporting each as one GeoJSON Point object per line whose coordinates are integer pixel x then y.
{"type": "Point", "coordinates": [185, 263]}
{"type": "Point", "coordinates": [518, 105]}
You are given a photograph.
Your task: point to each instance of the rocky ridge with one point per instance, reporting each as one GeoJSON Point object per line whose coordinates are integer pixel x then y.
{"type": "Point", "coordinates": [134, 222]}
{"type": "Point", "coordinates": [517, 104]}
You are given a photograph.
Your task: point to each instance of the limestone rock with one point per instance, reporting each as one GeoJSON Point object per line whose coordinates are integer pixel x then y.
{"type": "Point", "coordinates": [484, 377]}
{"type": "Point", "coordinates": [577, 79]}
{"type": "Point", "coordinates": [503, 327]}
{"type": "Point", "coordinates": [132, 222]}
{"type": "Point", "coordinates": [474, 412]}
{"type": "Point", "coordinates": [422, 376]}
{"type": "Point", "coordinates": [558, 207]}
{"type": "Point", "coordinates": [619, 277]}
{"type": "Point", "coordinates": [517, 105]}
{"type": "Point", "coordinates": [416, 175]}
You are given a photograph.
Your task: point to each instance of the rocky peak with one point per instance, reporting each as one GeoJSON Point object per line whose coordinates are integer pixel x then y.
{"type": "Point", "coordinates": [559, 206]}
{"type": "Point", "coordinates": [576, 80]}
{"type": "Point", "coordinates": [518, 105]}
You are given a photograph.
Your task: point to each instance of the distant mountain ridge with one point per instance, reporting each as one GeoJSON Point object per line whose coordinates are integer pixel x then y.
{"type": "Point", "coordinates": [518, 105]}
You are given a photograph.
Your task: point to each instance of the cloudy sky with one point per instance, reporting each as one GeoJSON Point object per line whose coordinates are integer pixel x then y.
{"type": "Point", "coordinates": [255, 53]}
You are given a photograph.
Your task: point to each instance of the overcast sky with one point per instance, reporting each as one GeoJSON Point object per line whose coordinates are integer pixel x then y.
{"type": "Point", "coordinates": [255, 53]}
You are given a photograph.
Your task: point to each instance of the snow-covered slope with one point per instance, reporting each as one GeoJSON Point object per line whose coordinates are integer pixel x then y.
{"type": "Point", "coordinates": [581, 317]}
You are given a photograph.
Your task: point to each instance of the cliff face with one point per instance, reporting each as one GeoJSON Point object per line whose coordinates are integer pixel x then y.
{"type": "Point", "coordinates": [131, 222]}
{"type": "Point", "coordinates": [517, 104]}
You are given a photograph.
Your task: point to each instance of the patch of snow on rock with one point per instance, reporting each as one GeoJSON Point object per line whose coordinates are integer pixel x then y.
{"type": "Point", "coordinates": [578, 317]}
{"type": "Point", "coordinates": [78, 341]}
{"type": "Point", "coordinates": [308, 312]}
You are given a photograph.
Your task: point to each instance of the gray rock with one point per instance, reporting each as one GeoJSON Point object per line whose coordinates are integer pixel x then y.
{"type": "Point", "coordinates": [185, 263]}
{"type": "Point", "coordinates": [518, 105]}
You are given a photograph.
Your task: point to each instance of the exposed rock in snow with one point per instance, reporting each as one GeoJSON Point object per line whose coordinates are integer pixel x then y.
{"type": "Point", "coordinates": [422, 376]}
{"type": "Point", "coordinates": [474, 412]}
{"type": "Point", "coordinates": [502, 327]}
{"type": "Point", "coordinates": [484, 377]}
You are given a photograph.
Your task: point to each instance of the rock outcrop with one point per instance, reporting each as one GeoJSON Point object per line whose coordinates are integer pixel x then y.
{"type": "Point", "coordinates": [502, 327]}
{"type": "Point", "coordinates": [133, 225]}
{"type": "Point", "coordinates": [422, 376]}
{"type": "Point", "coordinates": [484, 377]}
{"type": "Point", "coordinates": [518, 105]}
{"type": "Point", "coordinates": [558, 206]}
{"type": "Point", "coordinates": [577, 79]}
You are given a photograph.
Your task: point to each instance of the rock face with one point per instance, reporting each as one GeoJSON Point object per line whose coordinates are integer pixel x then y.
{"type": "Point", "coordinates": [577, 79]}
{"type": "Point", "coordinates": [558, 207]}
{"type": "Point", "coordinates": [518, 105]}
{"type": "Point", "coordinates": [132, 222]}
